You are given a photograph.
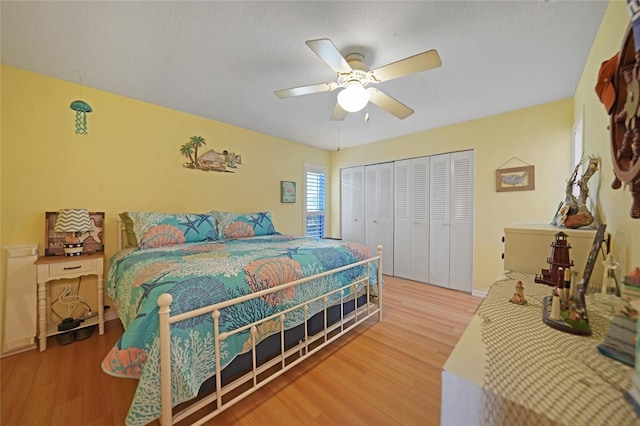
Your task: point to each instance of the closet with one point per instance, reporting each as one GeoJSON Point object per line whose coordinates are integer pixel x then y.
{"type": "Point", "coordinates": [378, 225]}
{"type": "Point", "coordinates": [421, 211]}
{"type": "Point", "coordinates": [451, 220]}
{"type": "Point", "coordinates": [352, 187]}
{"type": "Point", "coordinates": [411, 219]}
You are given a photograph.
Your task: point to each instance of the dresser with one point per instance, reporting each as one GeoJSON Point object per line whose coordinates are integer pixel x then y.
{"type": "Point", "coordinates": [510, 368]}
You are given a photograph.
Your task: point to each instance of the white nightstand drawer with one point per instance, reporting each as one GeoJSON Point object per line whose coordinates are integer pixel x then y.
{"type": "Point", "coordinates": [72, 267]}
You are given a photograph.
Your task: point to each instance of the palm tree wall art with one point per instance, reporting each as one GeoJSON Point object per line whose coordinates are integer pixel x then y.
{"type": "Point", "coordinates": [211, 161]}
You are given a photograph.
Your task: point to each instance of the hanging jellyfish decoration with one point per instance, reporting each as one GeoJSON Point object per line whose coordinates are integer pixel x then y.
{"type": "Point", "coordinates": [81, 108]}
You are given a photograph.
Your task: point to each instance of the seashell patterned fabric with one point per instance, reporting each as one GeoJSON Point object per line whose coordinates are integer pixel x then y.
{"type": "Point", "coordinates": [243, 225]}
{"type": "Point", "coordinates": [204, 273]}
{"type": "Point", "coordinates": [149, 230]}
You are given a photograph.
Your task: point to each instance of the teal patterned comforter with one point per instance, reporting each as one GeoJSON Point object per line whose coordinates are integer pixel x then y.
{"type": "Point", "coordinates": [204, 273]}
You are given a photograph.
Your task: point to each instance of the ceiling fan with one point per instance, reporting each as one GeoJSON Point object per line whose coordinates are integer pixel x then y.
{"type": "Point", "coordinates": [354, 76]}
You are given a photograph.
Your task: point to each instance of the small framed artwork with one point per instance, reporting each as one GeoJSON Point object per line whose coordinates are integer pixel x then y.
{"type": "Point", "coordinates": [287, 191]}
{"type": "Point", "coordinates": [516, 179]}
{"type": "Point", "coordinates": [93, 240]}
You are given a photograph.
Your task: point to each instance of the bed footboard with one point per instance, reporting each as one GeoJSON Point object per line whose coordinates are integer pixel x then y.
{"type": "Point", "coordinates": [228, 394]}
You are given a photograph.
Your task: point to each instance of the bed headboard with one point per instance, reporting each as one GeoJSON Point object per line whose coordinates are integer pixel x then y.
{"type": "Point", "coordinates": [122, 235]}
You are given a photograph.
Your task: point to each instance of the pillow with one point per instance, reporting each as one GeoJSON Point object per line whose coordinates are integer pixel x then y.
{"type": "Point", "coordinates": [242, 225]}
{"type": "Point", "coordinates": [149, 230]}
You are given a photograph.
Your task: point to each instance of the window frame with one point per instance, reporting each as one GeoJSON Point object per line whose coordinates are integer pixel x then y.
{"type": "Point", "coordinates": [310, 168]}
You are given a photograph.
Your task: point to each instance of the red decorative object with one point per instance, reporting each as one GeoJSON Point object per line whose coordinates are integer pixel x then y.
{"type": "Point", "coordinates": [559, 259]}
{"type": "Point", "coordinates": [625, 125]}
{"type": "Point", "coordinates": [634, 277]}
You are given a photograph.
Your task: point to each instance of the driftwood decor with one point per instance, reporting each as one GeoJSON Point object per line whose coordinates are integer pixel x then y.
{"type": "Point", "coordinates": [574, 212]}
{"type": "Point", "coordinates": [515, 179]}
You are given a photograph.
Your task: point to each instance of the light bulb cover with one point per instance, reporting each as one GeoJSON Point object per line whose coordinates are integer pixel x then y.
{"type": "Point", "coordinates": [353, 97]}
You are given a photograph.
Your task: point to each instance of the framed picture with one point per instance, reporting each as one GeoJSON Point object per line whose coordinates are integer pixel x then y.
{"type": "Point", "coordinates": [287, 192]}
{"type": "Point", "coordinates": [93, 240]}
{"type": "Point", "coordinates": [515, 179]}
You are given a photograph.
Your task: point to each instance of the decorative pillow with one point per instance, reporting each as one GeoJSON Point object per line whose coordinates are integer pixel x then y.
{"type": "Point", "coordinates": [149, 230]}
{"type": "Point", "coordinates": [242, 225]}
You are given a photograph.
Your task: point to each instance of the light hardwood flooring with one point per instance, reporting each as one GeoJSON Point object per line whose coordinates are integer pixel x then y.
{"type": "Point", "coordinates": [383, 373]}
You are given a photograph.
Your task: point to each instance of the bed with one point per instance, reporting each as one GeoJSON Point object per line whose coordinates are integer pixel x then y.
{"type": "Point", "coordinates": [217, 305]}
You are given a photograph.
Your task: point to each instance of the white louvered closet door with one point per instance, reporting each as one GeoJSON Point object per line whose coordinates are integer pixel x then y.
{"type": "Point", "coordinates": [352, 204]}
{"type": "Point", "coordinates": [462, 213]}
{"type": "Point", "coordinates": [419, 194]}
{"type": "Point", "coordinates": [379, 212]}
{"type": "Point", "coordinates": [402, 220]}
{"type": "Point", "coordinates": [411, 219]}
{"type": "Point", "coordinates": [439, 222]}
{"type": "Point", "coordinates": [357, 193]}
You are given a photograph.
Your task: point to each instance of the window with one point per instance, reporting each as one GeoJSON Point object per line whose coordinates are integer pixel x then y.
{"type": "Point", "coordinates": [314, 200]}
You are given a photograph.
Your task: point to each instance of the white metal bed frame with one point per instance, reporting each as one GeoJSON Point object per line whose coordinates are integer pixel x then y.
{"type": "Point", "coordinates": [286, 359]}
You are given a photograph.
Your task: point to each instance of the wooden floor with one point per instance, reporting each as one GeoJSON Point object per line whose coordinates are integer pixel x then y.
{"type": "Point", "coordinates": [383, 373]}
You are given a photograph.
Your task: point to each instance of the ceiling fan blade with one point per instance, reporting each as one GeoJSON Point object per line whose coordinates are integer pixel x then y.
{"type": "Point", "coordinates": [330, 54]}
{"type": "Point", "coordinates": [306, 90]}
{"type": "Point", "coordinates": [414, 64]}
{"type": "Point", "coordinates": [338, 113]}
{"type": "Point", "coordinates": [389, 104]}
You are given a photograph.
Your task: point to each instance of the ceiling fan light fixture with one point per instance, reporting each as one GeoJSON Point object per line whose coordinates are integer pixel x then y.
{"type": "Point", "coordinates": [353, 97]}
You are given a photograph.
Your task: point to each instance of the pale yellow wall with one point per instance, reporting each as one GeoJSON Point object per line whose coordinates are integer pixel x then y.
{"type": "Point", "coordinates": [614, 204]}
{"type": "Point", "coordinates": [539, 135]}
{"type": "Point", "coordinates": [130, 160]}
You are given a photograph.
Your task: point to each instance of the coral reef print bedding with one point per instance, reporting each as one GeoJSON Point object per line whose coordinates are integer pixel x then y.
{"type": "Point", "coordinates": [204, 273]}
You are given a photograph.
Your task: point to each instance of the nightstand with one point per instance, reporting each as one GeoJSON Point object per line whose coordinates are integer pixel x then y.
{"type": "Point", "coordinates": [50, 268]}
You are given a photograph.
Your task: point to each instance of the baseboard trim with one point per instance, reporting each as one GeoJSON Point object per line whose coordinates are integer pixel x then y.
{"type": "Point", "coordinates": [479, 293]}
{"type": "Point", "coordinates": [19, 350]}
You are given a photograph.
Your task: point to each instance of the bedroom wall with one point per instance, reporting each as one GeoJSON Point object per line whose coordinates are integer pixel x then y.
{"type": "Point", "coordinates": [539, 135]}
{"type": "Point", "coordinates": [614, 204]}
{"type": "Point", "coordinates": [130, 160]}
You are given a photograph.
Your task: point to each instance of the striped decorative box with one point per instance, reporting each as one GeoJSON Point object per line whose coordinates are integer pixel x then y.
{"type": "Point", "coordinates": [73, 249]}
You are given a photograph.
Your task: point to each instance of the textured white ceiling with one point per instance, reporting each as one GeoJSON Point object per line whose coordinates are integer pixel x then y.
{"type": "Point", "coordinates": [223, 60]}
